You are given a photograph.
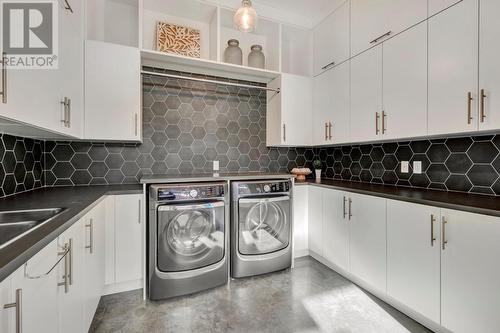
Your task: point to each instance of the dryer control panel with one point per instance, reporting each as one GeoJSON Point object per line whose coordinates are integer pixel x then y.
{"type": "Point", "coordinates": [190, 192]}
{"type": "Point", "coordinates": [264, 187]}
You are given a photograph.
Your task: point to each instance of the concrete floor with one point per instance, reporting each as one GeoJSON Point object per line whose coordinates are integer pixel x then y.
{"type": "Point", "coordinates": [309, 298]}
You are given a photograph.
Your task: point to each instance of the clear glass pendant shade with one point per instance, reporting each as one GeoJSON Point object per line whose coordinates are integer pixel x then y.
{"type": "Point", "coordinates": [245, 19]}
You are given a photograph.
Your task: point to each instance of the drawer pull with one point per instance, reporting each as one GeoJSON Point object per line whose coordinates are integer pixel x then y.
{"type": "Point", "coordinates": [387, 34]}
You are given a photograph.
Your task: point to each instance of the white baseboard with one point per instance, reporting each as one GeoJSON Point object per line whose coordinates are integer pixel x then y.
{"type": "Point", "coordinates": [300, 253]}
{"type": "Point", "coordinates": [435, 327]}
{"type": "Point", "coordinates": [122, 286]}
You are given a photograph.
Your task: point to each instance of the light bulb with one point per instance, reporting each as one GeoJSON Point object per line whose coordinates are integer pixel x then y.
{"type": "Point", "coordinates": [245, 19]}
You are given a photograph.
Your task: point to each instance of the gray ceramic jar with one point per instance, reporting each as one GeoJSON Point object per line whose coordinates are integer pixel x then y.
{"type": "Point", "coordinates": [256, 58]}
{"type": "Point", "coordinates": [233, 53]}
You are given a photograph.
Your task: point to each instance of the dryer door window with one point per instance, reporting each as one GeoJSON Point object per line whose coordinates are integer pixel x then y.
{"type": "Point", "coordinates": [264, 224]}
{"type": "Point", "coordinates": [190, 236]}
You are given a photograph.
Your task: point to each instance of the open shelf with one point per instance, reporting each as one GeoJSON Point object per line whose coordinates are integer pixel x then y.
{"type": "Point", "coordinates": [187, 13]}
{"type": "Point", "coordinates": [208, 67]}
{"type": "Point", "coordinates": [267, 34]}
{"type": "Point", "coordinates": [113, 21]}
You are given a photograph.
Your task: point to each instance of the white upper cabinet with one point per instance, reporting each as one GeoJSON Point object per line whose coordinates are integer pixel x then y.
{"type": "Point", "coordinates": [470, 271]}
{"type": "Point", "coordinates": [367, 243]}
{"type": "Point", "coordinates": [489, 70]}
{"type": "Point", "coordinates": [331, 105]}
{"type": "Point", "coordinates": [331, 40]}
{"type": "Point", "coordinates": [413, 256]}
{"type": "Point", "coordinates": [289, 118]}
{"type": "Point", "coordinates": [366, 96]}
{"type": "Point", "coordinates": [336, 228]}
{"type": "Point", "coordinates": [374, 21]}
{"type": "Point", "coordinates": [435, 6]}
{"type": "Point", "coordinates": [405, 84]}
{"type": "Point", "coordinates": [453, 69]}
{"type": "Point", "coordinates": [112, 92]}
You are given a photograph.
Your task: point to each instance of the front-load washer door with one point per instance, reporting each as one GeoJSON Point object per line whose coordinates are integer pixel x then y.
{"type": "Point", "coordinates": [264, 224]}
{"type": "Point", "coordinates": [190, 236]}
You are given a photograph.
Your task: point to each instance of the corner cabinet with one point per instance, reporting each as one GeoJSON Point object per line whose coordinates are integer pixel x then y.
{"type": "Point", "coordinates": [288, 112]}
{"type": "Point", "coordinates": [112, 92]}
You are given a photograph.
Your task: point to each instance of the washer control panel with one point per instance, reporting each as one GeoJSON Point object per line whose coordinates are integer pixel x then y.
{"type": "Point", "coordinates": [190, 192]}
{"type": "Point", "coordinates": [264, 187]}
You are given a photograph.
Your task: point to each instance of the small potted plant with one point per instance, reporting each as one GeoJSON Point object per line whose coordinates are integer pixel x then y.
{"type": "Point", "coordinates": [317, 168]}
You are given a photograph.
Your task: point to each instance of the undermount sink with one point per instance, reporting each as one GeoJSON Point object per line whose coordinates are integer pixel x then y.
{"type": "Point", "coordinates": [17, 223]}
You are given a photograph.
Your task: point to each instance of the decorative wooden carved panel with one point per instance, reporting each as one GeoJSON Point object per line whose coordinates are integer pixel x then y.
{"type": "Point", "coordinates": [176, 39]}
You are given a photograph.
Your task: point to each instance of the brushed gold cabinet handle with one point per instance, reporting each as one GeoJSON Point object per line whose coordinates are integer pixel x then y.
{"type": "Point", "coordinates": [433, 237]}
{"type": "Point", "coordinates": [483, 97]}
{"type": "Point", "coordinates": [384, 115]}
{"type": "Point", "coordinates": [377, 117]}
{"type": "Point", "coordinates": [284, 132]}
{"type": "Point", "coordinates": [469, 107]}
{"type": "Point", "coordinates": [135, 124]}
{"type": "Point", "coordinates": [329, 131]}
{"type": "Point", "coordinates": [327, 66]}
{"type": "Point", "coordinates": [350, 208]}
{"type": "Point", "coordinates": [387, 34]}
{"type": "Point", "coordinates": [443, 233]}
{"type": "Point", "coordinates": [343, 208]}
{"type": "Point", "coordinates": [18, 305]}
{"type": "Point", "coordinates": [326, 131]}
{"type": "Point", "coordinates": [65, 252]}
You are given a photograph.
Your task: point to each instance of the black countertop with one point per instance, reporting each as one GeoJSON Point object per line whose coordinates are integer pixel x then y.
{"type": "Point", "coordinates": [474, 203]}
{"type": "Point", "coordinates": [208, 177]}
{"type": "Point", "coordinates": [77, 199]}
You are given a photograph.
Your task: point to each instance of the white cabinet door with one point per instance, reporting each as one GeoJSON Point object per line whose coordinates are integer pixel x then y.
{"type": "Point", "coordinates": [94, 229]}
{"type": "Point", "coordinates": [413, 256]}
{"type": "Point", "coordinates": [315, 232]}
{"type": "Point", "coordinates": [339, 102]}
{"type": "Point", "coordinates": [374, 21]}
{"type": "Point", "coordinates": [128, 237]}
{"type": "Point", "coordinates": [71, 61]}
{"type": "Point", "coordinates": [367, 242]}
{"type": "Point", "coordinates": [39, 295]}
{"type": "Point", "coordinates": [331, 106]}
{"type": "Point", "coordinates": [366, 95]}
{"type": "Point", "coordinates": [435, 6]}
{"type": "Point", "coordinates": [489, 71]}
{"type": "Point", "coordinates": [71, 301]}
{"type": "Point", "coordinates": [336, 228]}
{"type": "Point", "coordinates": [322, 93]}
{"type": "Point", "coordinates": [300, 220]}
{"type": "Point", "coordinates": [331, 40]}
{"type": "Point", "coordinates": [453, 69]}
{"type": "Point", "coordinates": [470, 271]}
{"type": "Point", "coordinates": [296, 105]}
{"type": "Point", "coordinates": [112, 92]}
{"type": "Point", "coordinates": [7, 324]}
{"type": "Point", "coordinates": [405, 84]}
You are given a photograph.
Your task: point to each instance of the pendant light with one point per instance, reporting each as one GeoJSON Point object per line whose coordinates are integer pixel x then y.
{"type": "Point", "coordinates": [245, 19]}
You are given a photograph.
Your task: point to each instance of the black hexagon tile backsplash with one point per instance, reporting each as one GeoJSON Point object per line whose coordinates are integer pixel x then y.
{"type": "Point", "coordinates": [187, 125]}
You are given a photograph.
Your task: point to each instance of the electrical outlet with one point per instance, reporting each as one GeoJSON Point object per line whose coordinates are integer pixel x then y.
{"type": "Point", "coordinates": [417, 167]}
{"type": "Point", "coordinates": [216, 165]}
{"type": "Point", "coordinates": [405, 166]}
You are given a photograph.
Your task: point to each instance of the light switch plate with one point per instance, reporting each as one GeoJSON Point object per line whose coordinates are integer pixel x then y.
{"type": "Point", "coordinates": [405, 166]}
{"type": "Point", "coordinates": [216, 165]}
{"type": "Point", "coordinates": [417, 167]}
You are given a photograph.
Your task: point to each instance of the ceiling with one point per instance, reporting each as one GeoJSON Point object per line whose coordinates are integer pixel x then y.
{"type": "Point", "coordinates": [305, 13]}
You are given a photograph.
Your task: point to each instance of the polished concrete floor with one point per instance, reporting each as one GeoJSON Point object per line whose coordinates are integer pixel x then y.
{"type": "Point", "coordinates": [308, 298]}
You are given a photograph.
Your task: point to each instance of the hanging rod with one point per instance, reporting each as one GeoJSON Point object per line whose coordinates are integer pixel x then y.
{"type": "Point", "coordinates": [173, 76]}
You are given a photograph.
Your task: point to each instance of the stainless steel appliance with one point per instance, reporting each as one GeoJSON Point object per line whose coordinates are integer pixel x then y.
{"type": "Point", "coordinates": [188, 238]}
{"type": "Point", "coordinates": [261, 227]}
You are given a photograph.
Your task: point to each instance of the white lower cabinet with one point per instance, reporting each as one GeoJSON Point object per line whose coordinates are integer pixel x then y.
{"type": "Point", "coordinates": [124, 243]}
{"type": "Point", "coordinates": [440, 266]}
{"type": "Point", "coordinates": [413, 250]}
{"type": "Point", "coordinates": [470, 272]}
{"type": "Point", "coordinates": [315, 232]}
{"type": "Point", "coordinates": [6, 298]}
{"type": "Point", "coordinates": [367, 240]}
{"type": "Point", "coordinates": [336, 228]}
{"type": "Point", "coordinates": [36, 293]}
{"type": "Point", "coordinates": [300, 228]}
